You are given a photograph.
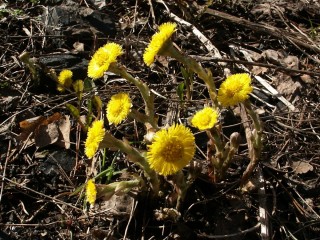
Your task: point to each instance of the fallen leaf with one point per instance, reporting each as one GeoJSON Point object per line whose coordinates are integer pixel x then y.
{"type": "Point", "coordinates": [43, 130]}
{"type": "Point", "coordinates": [257, 70]}
{"type": "Point", "coordinates": [301, 167]}
{"type": "Point", "coordinates": [291, 62]}
{"type": "Point", "coordinates": [46, 135]}
{"type": "Point", "coordinates": [306, 78]}
{"type": "Point", "coordinates": [64, 126]}
{"type": "Point", "coordinates": [273, 56]}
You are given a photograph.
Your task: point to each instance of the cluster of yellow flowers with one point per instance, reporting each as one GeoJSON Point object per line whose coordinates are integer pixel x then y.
{"type": "Point", "coordinates": [172, 148]}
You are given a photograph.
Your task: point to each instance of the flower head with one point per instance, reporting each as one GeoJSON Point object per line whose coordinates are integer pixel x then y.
{"type": "Point", "coordinates": [158, 41]}
{"type": "Point", "coordinates": [102, 59]}
{"type": "Point", "coordinates": [235, 89]}
{"type": "Point", "coordinates": [91, 192]}
{"type": "Point", "coordinates": [95, 135]}
{"type": "Point", "coordinates": [172, 149]}
{"type": "Point", "coordinates": [205, 118]}
{"type": "Point", "coordinates": [64, 79]}
{"type": "Point", "coordinates": [118, 108]}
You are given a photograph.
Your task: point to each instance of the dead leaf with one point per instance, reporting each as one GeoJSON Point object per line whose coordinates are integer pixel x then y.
{"type": "Point", "coordinates": [29, 125]}
{"type": "Point", "coordinates": [286, 86]}
{"type": "Point", "coordinates": [301, 167]}
{"type": "Point", "coordinates": [291, 62]}
{"type": "Point", "coordinates": [78, 47]}
{"type": "Point", "coordinates": [46, 135]}
{"type": "Point", "coordinates": [43, 130]}
{"type": "Point", "coordinates": [306, 78]}
{"type": "Point", "coordinates": [64, 126]}
{"type": "Point", "coordinates": [257, 70]}
{"type": "Point", "coordinates": [273, 56]}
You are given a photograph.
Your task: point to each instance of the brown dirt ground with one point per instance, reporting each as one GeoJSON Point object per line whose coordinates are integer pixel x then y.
{"type": "Point", "coordinates": [282, 38]}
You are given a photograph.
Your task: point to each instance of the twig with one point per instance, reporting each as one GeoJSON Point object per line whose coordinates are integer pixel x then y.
{"type": "Point", "coordinates": [251, 63]}
{"type": "Point", "coordinates": [265, 28]}
{"type": "Point", "coordinates": [205, 236]}
{"type": "Point", "coordinates": [263, 212]}
{"type": "Point", "coordinates": [41, 194]}
{"type": "Point", "coordinates": [4, 170]}
{"type": "Point", "coordinates": [266, 84]}
{"type": "Point", "coordinates": [205, 41]}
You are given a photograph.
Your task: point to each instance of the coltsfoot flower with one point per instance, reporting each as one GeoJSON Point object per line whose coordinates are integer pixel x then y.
{"type": "Point", "coordinates": [118, 108]}
{"type": "Point", "coordinates": [205, 118]}
{"type": "Point", "coordinates": [158, 40]}
{"type": "Point", "coordinates": [102, 59]}
{"type": "Point", "coordinates": [91, 192]}
{"type": "Point", "coordinates": [171, 150]}
{"type": "Point", "coordinates": [95, 135]}
{"type": "Point", "coordinates": [64, 79]}
{"type": "Point", "coordinates": [235, 89]}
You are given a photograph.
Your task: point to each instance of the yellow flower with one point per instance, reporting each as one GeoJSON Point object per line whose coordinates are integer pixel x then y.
{"type": "Point", "coordinates": [95, 136]}
{"type": "Point", "coordinates": [91, 192]}
{"type": "Point", "coordinates": [102, 59]}
{"type": "Point", "coordinates": [205, 118]}
{"type": "Point", "coordinates": [171, 150]}
{"type": "Point", "coordinates": [64, 79]}
{"type": "Point", "coordinates": [235, 89]}
{"type": "Point", "coordinates": [158, 41]}
{"type": "Point", "coordinates": [118, 108]}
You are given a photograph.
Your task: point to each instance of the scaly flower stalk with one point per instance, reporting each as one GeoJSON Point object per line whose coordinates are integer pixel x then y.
{"type": "Point", "coordinates": [109, 141]}
{"type": "Point", "coordinates": [194, 66]}
{"type": "Point", "coordinates": [254, 139]}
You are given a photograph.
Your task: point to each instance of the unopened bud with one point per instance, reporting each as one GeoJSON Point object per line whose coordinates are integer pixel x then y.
{"type": "Point", "coordinates": [235, 140]}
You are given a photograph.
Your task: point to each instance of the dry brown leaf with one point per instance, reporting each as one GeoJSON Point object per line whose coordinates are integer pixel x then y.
{"type": "Point", "coordinates": [64, 126]}
{"type": "Point", "coordinates": [273, 56]}
{"type": "Point", "coordinates": [43, 130]}
{"type": "Point", "coordinates": [78, 47]}
{"type": "Point", "coordinates": [257, 70]}
{"type": "Point", "coordinates": [306, 78]}
{"type": "Point", "coordinates": [46, 135]}
{"type": "Point", "coordinates": [291, 62]}
{"type": "Point", "coordinates": [301, 167]}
